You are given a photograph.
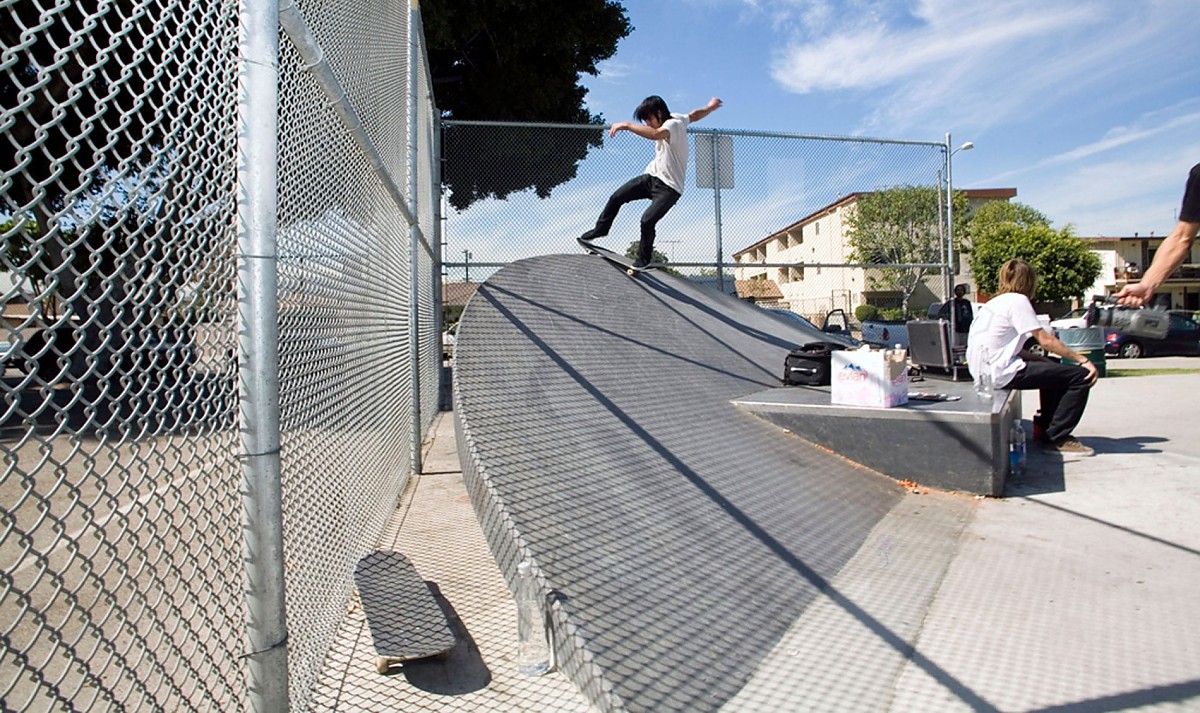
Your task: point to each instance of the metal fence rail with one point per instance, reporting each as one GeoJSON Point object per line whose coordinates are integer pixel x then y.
{"type": "Point", "coordinates": [148, 428]}
{"type": "Point", "coordinates": [546, 183]}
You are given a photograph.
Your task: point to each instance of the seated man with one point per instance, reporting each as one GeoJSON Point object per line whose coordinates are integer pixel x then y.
{"type": "Point", "coordinates": [995, 348]}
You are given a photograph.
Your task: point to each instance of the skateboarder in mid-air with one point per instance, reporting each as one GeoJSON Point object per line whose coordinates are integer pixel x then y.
{"type": "Point", "coordinates": [662, 183]}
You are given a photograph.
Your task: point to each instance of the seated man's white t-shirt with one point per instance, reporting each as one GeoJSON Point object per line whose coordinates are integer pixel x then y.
{"type": "Point", "coordinates": [998, 332]}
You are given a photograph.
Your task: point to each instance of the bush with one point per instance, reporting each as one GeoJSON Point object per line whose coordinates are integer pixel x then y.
{"type": "Point", "coordinates": [864, 313]}
{"type": "Point", "coordinates": [891, 315]}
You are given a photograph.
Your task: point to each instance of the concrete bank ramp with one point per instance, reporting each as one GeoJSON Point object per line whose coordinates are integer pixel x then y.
{"type": "Point", "coordinates": [697, 558]}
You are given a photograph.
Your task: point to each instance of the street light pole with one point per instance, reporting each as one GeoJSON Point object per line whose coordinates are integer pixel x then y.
{"type": "Point", "coordinates": [467, 264]}
{"type": "Point", "coordinates": [950, 229]}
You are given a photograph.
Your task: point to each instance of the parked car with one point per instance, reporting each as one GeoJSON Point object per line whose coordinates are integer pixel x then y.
{"type": "Point", "coordinates": [1183, 338]}
{"type": "Point", "coordinates": [936, 308]}
{"type": "Point", "coordinates": [12, 351]}
{"type": "Point", "coordinates": [53, 354]}
{"type": "Point", "coordinates": [1075, 319]}
{"type": "Point", "coordinates": [835, 324]}
{"type": "Point", "coordinates": [449, 339]}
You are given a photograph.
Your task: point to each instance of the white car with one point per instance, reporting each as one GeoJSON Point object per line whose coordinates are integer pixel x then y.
{"type": "Point", "coordinates": [449, 339]}
{"type": "Point", "coordinates": [1075, 319]}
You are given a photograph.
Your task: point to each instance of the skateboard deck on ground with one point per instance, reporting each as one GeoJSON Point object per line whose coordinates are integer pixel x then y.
{"type": "Point", "coordinates": [617, 259]}
{"type": "Point", "coordinates": [404, 617]}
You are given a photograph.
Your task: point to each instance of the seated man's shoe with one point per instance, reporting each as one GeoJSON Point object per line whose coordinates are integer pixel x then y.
{"type": "Point", "coordinates": [1069, 446]}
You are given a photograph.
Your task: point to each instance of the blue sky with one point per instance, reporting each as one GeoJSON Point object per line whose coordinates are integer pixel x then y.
{"type": "Point", "coordinates": [1089, 108]}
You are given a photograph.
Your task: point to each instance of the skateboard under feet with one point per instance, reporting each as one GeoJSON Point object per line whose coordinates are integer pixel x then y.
{"type": "Point", "coordinates": [617, 259]}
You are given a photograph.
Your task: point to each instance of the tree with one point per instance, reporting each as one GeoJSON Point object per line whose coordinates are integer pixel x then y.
{"type": "Point", "coordinates": [100, 133]}
{"type": "Point", "coordinates": [901, 225]}
{"type": "Point", "coordinates": [516, 60]}
{"type": "Point", "coordinates": [987, 216]}
{"type": "Point", "coordinates": [1065, 266]}
{"type": "Point", "coordinates": [71, 114]}
{"type": "Point", "coordinates": [655, 256]}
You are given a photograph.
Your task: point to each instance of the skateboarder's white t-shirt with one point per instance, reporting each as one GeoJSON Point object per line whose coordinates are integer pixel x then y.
{"type": "Point", "coordinates": [671, 155]}
{"type": "Point", "coordinates": [997, 334]}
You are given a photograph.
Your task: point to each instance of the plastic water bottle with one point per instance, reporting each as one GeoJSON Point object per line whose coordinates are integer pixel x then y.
{"type": "Point", "coordinates": [533, 649]}
{"type": "Point", "coordinates": [1017, 450]}
{"type": "Point", "coordinates": [983, 385]}
{"type": "Point", "coordinates": [984, 388]}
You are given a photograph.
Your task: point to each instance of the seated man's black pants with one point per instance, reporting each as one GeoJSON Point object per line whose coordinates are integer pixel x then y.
{"type": "Point", "coordinates": [1064, 394]}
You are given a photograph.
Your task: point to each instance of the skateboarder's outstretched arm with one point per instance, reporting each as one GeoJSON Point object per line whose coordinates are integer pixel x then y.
{"type": "Point", "coordinates": [698, 114]}
{"type": "Point", "coordinates": [656, 133]}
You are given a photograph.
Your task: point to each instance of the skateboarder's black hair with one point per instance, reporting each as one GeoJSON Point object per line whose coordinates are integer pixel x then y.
{"type": "Point", "coordinates": [652, 106]}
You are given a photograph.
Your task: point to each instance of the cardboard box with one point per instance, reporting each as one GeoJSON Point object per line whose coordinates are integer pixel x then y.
{"type": "Point", "coordinates": [869, 377]}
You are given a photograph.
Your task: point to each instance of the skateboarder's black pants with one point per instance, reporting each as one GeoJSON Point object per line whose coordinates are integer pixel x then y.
{"type": "Point", "coordinates": [1063, 389]}
{"type": "Point", "coordinates": [645, 186]}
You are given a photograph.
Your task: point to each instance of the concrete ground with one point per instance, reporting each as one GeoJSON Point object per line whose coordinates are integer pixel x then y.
{"type": "Point", "coordinates": [1077, 591]}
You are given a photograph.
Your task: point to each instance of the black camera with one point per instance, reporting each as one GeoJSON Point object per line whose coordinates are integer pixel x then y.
{"type": "Point", "coordinates": [1139, 321]}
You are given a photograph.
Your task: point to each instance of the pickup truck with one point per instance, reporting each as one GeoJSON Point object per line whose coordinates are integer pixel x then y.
{"type": "Point", "coordinates": [887, 334]}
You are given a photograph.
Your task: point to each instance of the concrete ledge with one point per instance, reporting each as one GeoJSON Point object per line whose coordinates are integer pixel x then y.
{"type": "Point", "coordinates": [954, 445]}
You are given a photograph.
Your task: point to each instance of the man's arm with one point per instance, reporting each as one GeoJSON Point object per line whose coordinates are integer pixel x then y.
{"type": "Point", "coordinates": [698, 114]}
{"type": "Point", "coordinates": [1174, 249]}
{"type": "Point", "coordinates": [659, 134]}
{"type": "Point", "coordinates": [1170, 255]}
{"type": "Point", "coordinates": [1053, 345]}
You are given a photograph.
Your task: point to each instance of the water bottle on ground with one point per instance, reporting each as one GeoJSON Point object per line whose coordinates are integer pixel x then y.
{"type": "Point", "coordinates": [1017, 450]}
{"type": "Point", "coordinates": [533, 648]}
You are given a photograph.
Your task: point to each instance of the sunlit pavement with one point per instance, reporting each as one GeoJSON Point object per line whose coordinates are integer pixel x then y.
{"type": "Point", "coordinates": [1076, 591]}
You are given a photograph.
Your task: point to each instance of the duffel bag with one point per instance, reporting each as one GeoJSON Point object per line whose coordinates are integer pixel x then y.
{"type": "Point", "coordinates": [808, 365]}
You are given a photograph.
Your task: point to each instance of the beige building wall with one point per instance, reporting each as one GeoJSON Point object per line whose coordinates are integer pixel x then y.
{"type": "Point", "coordinates": [820, 238]}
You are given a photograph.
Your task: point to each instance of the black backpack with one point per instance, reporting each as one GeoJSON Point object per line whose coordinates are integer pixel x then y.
{"type": "Point", "coordinates": [808, 365]}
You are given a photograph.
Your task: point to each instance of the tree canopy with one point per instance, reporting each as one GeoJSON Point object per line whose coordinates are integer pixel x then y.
{"type": "Point", "coordinates": [73, 117]}
{"type": "Point", "coordinates": [1066, 267]}
{"type": "Point", "coordinates": [994, 213]}
{"type": "Point", "coordinates": [516, 60]}
{"type": "Point", "coordinates": [900, 225]}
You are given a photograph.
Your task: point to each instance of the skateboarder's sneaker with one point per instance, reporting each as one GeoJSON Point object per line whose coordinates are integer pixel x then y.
{"type": "Point", "coordinates": [591, 235]}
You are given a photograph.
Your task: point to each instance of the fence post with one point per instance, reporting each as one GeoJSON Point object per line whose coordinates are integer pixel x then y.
{"type": "Point", "coordinates": [414, 238]}
{"type": "Point", "coordinates": [716, 179]}
{"type": "Point", "coordinates": [444, 385]}
{"type": "Point", "coordinates": [950, 238]}
{"type": "Point", "coordinates": [258, 355]}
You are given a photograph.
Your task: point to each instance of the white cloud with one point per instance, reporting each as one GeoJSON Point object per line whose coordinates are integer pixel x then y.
{"type": "Point", "coordinates": [611, 70]}
{"type": "Point", "coordinates": [865, 52]}
{"type": "Point", "coordinates": [1122, 135]}
{"type": "Point", "coordinates": [1154, 137]}
{"type": "Point", "coordinates": [972, 64]}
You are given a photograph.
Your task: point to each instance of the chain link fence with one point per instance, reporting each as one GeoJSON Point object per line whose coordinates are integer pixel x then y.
{"type": "Point", "coordinates": [750, 220]}
{"type": "Point", "coordinates": [213, 377]}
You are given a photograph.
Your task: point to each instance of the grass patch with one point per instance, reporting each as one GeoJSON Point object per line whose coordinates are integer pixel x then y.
{"type": "Point", "coordinates": [1117, 373]}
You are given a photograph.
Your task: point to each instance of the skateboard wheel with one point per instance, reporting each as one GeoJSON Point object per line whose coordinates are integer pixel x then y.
{"type": "Point", "coordinates": [629, 272]}
{"type": "Point", "coordinates": [382, 664]}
